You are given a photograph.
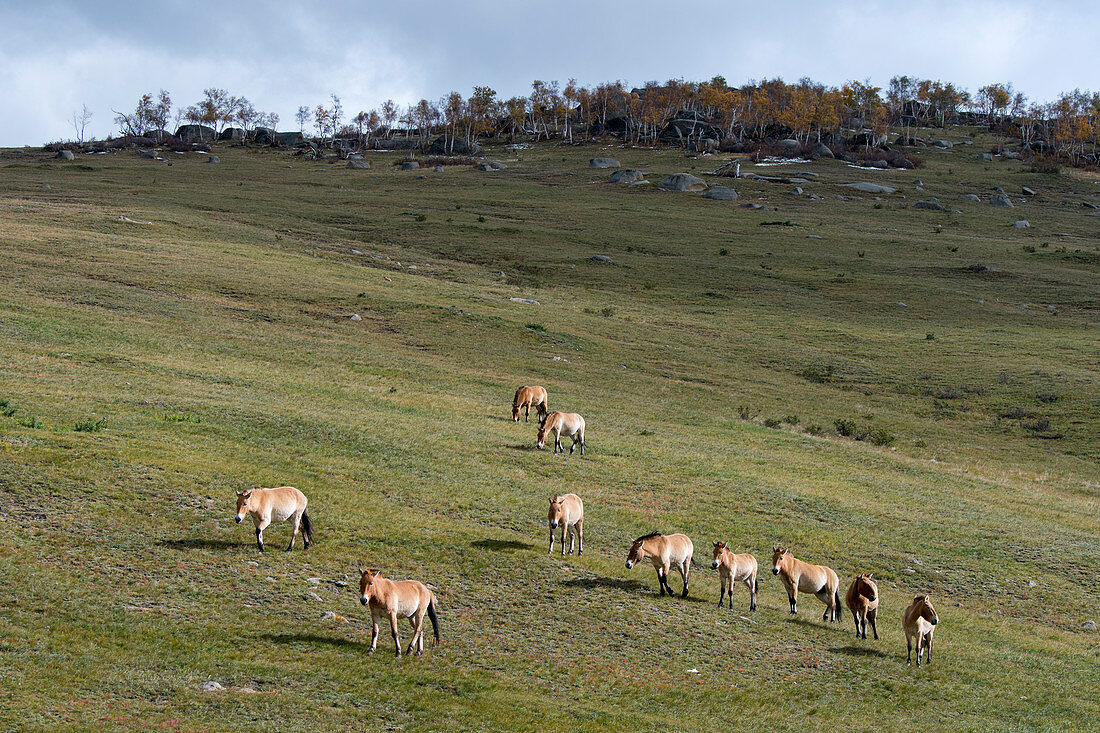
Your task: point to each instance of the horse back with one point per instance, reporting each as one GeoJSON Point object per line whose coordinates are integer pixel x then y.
{"type": "Point", "coordinates": [574, 509]}
{"type": "Point", "coordinates": [679, 547]}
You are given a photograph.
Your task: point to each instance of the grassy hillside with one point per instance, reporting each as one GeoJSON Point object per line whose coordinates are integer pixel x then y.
{"type": "Point", "coordinates": [152, 367]}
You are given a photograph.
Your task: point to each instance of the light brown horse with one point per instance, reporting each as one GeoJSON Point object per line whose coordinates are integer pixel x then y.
{"type": "Point", "coordinates": [862, 600]}
{"type": "Point", "coordinates": [567, 512]}
{"type": "Point", "coordinates": [734, 569]}
{"type": "Point", "coordinates": [569, 423]}
{"type": "Point", "coordinates": [275, 505]}
{"type": "Point", "coordinates": [798, 576]}
{"type": "Point", "coordinates": [409, 599]}
{"type": "Point", "coordinates": [665, 552]}
{"type": "Point", "coordinates": [528, 397]}
{"type": "Point", "coordinates": [919, 622]}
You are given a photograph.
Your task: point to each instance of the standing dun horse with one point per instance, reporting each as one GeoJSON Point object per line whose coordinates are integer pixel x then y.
{"type": "Point", "coordinates": [409, 599]}
{"type": "Point", "coordinates": [568, 423]}
{"type": "Point", "coordinates": [798, 576]}
{"type": "Point", "coordinates": [919, 622]}
{"type": "Point", "coordinates": [862, 600]}
{"type": "Point", "coordinates": [567, 512]}
{"type": "Point", "coordinates": [528, 397]}
{"type": "Point", "coordinates": [734, 569]}
{"type": "Point", "coordinates": [275, 505]}
{"type": "Point", "coordinates": [665, 552]}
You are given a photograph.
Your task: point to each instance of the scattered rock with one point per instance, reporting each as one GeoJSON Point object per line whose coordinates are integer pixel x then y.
{"type": "Point", "coordinates": [755, 207]}
{"type": "Point", "coordinates": [46, 186]}
{"type": "Point", "coordinates": [971, 197]}
{"type": "Point", "coordinates": [930, 205]}
{"type": "Point", "coordinates": [682, 182]}
{"type": "Point", "coordinates": [149, 154]}
{"type": "Point", "coordinates": [943, 144]}
{"type": "Point", "coordinates": [601, 258]}
{"type": "Point", "coordinates": [491, 165]}
{"type": "Point", "coordinates": [603, 163]}
{"type": "Point", "coordinates": [796, 191]}
{"type": "Point", "coordinates": [1022, 224]}
{"type": "Point", "coordinates": [999, 199]}
{"type": "Point", "coordinates": [822, 151]}
{"type": "Point", "coordinates": [868, 187]}
{"type": "Point", "coordinates": [196, 133]}
{"type": "Point", "coordinates": [330, 616]}
{"type": "Point", "coordinates": [253, 563]}
{"type": "Point", "coordinates": [524, 300]}
{"type": "Point", "coordinates": [358, 164]}
{"type": "Point", "coordinates": [211, 686]}
{"type": "Point", "coordinates": [790, 144]}
{"type": "Point", "coordinates": [642, 182]}
{"type": "Point", "coordinates": [628, 175]}
{"type": "Point", "coordinates": [880, 164]}
{"type": "Point", "coordinates": [410, 165]}
{"type": "Point", "coordinates": [720, 193]}
{"type": "Point", "coordinates": [65, 155]}
{"type": "Point", "coordinates": [356, 317]}
{"type": "Point", "coordinates": [986, 156]}
{"type": "Point", "coordinates": [213, 159]}
{"type": "Point", "coordinates": [814, 236]}
{"type": "Point", "coordinates": [420, 177]}
{"type": "Point", "coordinates": [918, 182]}
{"type": "Point", "coordinates": [316, 581]}
{"type": "Point", "coordinates": [313, 595]}
{"type": "Point", "coordinates": [355, 156]}
{"type": "Point", "coordinates": [1031, 584]}
{"type": "Point", "coordinates": [1029, 191]}
{"type": "Point", "coordinates": [1089, 626]}
{"type": "Point", "coordinates": [437, 169]}
{"type": "Point", "coordinates": [980, 268]}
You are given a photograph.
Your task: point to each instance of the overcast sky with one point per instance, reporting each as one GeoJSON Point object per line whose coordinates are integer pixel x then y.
{"type": "Point", "coordinates": [56, 55]}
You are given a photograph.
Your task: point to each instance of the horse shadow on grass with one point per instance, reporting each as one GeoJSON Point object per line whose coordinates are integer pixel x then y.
{"type": "Point", "coordinates": [201, 543]}
{"type": "Point", "coordinates": [315, 639]}
{"type": "Point", "coordinates": [627, 586]}
{"type": "Point", "coordinates": [501, 545]}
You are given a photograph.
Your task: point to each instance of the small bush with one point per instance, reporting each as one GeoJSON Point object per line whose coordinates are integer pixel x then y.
{"type": "Point", "coordinates": [746, 412]}
{"type": "Point", "coordinates": [481, 219]}
{"type": "Point", "coordinates": [90, 425]}
{"type": "Point", "coordinates": [791, 419]}
{"type": "Point", "coordinates": [772, 422]}
{"type": "Point", "coordinates": [421, 217]}
{"type": "Point", "coordinates": [975, 389]}
{"type": "Point", "coordinates": [723, 252]}
{"type": "Point", "coordinates": [1039, 425]}
{"type": "Point", "coordinates": [606, 312]}
{"type": "Point", "coordinates": [879, 436]}
{"type": "Point", "coordinates": [814, 429]}
{"type": "Point", "coordinates": [929, 336]}
{"type": "Point", "coordinates": [7, 409]}
{"type": "Point", "coordinates": [1047, 397]}
{"type": "Point", "coordinates": [1015, 413]}
{"type": "Point", "coordinates": [856, 431]}
{"type": "Point", "coordinates": [820, 373]}
{"type": "Point", "coordinates": [31, 422]}
{"type": "Point", "coordinates": [538, 327]}
{"type": "Point", "coordinates": [948, 393]}
{"type": "Point", "coordinates": [847, 428]}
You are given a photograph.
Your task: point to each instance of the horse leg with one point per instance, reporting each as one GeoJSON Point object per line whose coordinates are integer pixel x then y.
{"type": "Point", "coordinates": [557, 443]}
{"type": "Point", "coordinates": [527, 412]}
{"type": "Point", "coordinates": [551, 550]}
{"type": "Point", "coordinates": [872, 616]}
{"type": "Point", "coordinates": [752, 594]}
{"type": "Point", "coordinates": [929, 647]}
{"type": "Point", "coordinates": [722, 590]}
{"type": "Point", "coordinates": [792, 596]}
{"type": "Point", "coordinates": [572, 536]}
{"type": "Point", "coordinates": [373, 634]}
{"type": "Point", "coordinates": [563, 530]}
{"type": "Point", "coordinates": [580, 537]}
{"type": "Point", "coordinates": [661, 580]}
{"type": "Point", "coordinates": [260, 527]}
{"type": "Point", "coordinates": [909, 648]}
{"type": "Point", "coordinates": [393, 630]}
{"type": "Point", "coordinates": [855, 618]}
{"type": "Point", "coordinates": [581, 434]}
{"type": "Point", "coordinates": [685, 571]}
{"type": "Point", "coordinates": [295, 523]}
{"type": "Point", "coordinates": [417, 622]}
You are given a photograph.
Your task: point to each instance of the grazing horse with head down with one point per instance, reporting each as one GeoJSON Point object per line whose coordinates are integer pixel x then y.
{"type": "Point", "coordinates": [275, 505]}
{"type": "Point", "coordinates": [734, 569]}
{"type": "Point", "coordinates": [409, 599]}
{"type": "Point", "coordinates": [798, 576]}
{"type": "Point", "coordinates": [528, 397]}
{"type": "Point", "coordinates": [567, 512]}
{"type": "Point", "coordinates": [919, 622]}
{"type": "Point", "coordinates": [568, 423]}
{"type": "Point", "coordinates": [665, 552]}
{"type": "Point", "coordinates": [862, 600]}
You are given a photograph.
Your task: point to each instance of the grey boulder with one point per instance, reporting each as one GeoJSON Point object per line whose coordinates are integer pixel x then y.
{"type": "Point", "coordinates": [491, 165]}
{"type": "Point", "coordinates": [357, 164]}
{"type": "Point", "coordinates": [930, 205]}
{"type": "Point", "coordinates": [410, 165]}
{"type": "Point", "coordinates": [1022, 224]}
{"type": "Point", "coordinates": [867, 187]}
{"type": "Point", "coordinates": [720, 193]}
{"type": "Point", "coordinates": [603, 163]}
{"type": "Point", "coordinates": [999, 199]}
{"type": "Point", "coordinates": [628, 175]}
{"type": "Point", "coordinates": [682, 182]}
{"type": "Point", "coordinates": [971, 197]}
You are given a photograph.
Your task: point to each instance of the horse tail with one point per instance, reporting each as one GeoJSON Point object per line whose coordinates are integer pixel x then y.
{"type": "Point", "coordinates": [434, 618]}
{"type": "Point", "coordinates": [836, 600]}
{"type": "Point", "coordinates": [307, 526]}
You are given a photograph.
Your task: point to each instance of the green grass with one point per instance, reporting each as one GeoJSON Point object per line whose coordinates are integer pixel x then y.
{"type": "Point", "coordinates": [214, 349]}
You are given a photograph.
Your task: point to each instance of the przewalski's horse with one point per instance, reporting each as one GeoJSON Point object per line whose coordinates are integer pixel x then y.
{"type": "Point", "coordinates": [862, 600]}
{"type": "Point", "coordinates": [266, 506]}
{"type": "Point", "coordinates": [798, 576]}
{"type": "Point", "coordinates": [665, 552]}
{"type": "Point", "coordinates": [528, 397]}
{"type": "Point", "coordinates": [569, 424]}
{"type": "Point", "coordinates": [919, 622]}
{"type": "Point", "coordinates": [396, 599]}
{"type": "Point", "coordinates": [734, 569]}
{"type": "Point", "coordinates": [567, 512]}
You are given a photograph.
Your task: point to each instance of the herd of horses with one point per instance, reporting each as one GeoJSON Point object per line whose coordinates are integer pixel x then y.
{"type": "Point", "coordinates": [410, 599]}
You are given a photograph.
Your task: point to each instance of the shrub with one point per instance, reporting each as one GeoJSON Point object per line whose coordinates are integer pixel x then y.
{"type": "Point", "coordinates": [879, 436]}
{"type": "Point", "coordinates": [1047, 397]}
{"type": "Point", "coordinates": [31, 422]}
{"type": "Point", "coordinates": [847, 428]}
{"type": "Point", "coordinates": [746, 412]}
{"type": "Point", "coordinates": [1039, 425]}
{"type": "Point", "coordinates": [791, 419]}
{"type": "Point", "coordinates": [90, 425]}
{"type": "Point", "coordinates": [820, 373]}
{"type": "Point", "coordinates": [6, 408]}
{"type": "Point", "coordinates": [1015, 413]}
{"type": "Point", "coordinates": [538, 327]}
{"type": "Point", "coordinates": [948, 393]}
{"type": "Point", "coordinates": [772, 422]}
{"type": "Point", "coordinates": [814, 429]}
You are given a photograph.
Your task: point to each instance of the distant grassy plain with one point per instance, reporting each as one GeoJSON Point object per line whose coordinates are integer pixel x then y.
{"type": "Point", "coordinates": [213, 348]}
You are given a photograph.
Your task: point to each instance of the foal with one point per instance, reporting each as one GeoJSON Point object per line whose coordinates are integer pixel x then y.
{"type": "Point", "coordinates": [528, 397]}
{"type": "Point", "coordinates": [665, 552]}
{"type": "Point", "coordinates": [919, 621]}
{"type": "Point", "coordinates": [409, 599]}
{"type": "Point", "coordinates": [567, 512]}
{"type": "Point", "coordinates": [862, 600]}
{"type": "Point", "coordinates": [734, 569]}
{"type": "Point", "coordinates": [820, 580]}
{"type": "Point", "coordinates": [275, 505]}
{"type": "Point", "coordinates": [569, 423]}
